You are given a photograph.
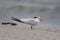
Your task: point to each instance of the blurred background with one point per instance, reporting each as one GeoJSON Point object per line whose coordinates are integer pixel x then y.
{"type": "Point", "coordinates": [50, 9]}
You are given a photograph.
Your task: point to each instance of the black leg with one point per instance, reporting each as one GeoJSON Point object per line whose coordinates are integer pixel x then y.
{"type": "Point", "coordinates": [31, 27]}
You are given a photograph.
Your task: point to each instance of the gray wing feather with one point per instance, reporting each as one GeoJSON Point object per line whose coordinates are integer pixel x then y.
{"type": "Point", "coordinates": [15, 19]}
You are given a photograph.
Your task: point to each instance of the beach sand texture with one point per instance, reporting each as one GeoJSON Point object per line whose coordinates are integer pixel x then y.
{"type": "Point", "coordinates": [23, 32]}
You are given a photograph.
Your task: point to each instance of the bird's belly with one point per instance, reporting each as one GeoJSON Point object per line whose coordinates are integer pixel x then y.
{"type": "Point", "coordinates": [32, 23]}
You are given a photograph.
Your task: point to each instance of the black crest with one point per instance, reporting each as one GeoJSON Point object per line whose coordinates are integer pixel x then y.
{"type": "Point", "coordinates": [35, 17]}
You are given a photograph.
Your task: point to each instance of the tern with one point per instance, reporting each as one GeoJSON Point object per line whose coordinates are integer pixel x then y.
{"type": "Point", "coordinates": [31, 21]}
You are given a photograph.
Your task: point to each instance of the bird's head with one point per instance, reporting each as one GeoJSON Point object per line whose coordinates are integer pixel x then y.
{"type": "Point", "coordinates": [35, 17]}
{"type": "Point", "coordinates": [41, 18]}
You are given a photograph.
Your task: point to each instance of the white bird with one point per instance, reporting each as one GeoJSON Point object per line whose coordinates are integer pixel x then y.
{"type": "Point", "coordinates": [31, 21]}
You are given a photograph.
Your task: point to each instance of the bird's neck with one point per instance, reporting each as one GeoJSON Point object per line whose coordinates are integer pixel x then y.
{"type": "Point", "coordinates": [37, 19]}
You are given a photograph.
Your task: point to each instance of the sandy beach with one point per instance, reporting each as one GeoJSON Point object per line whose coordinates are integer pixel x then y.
{"type": "Point", "coordinates": [23, 32]}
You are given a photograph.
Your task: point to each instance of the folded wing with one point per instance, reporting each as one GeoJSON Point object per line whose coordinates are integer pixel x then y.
{"type": "Point", "coordinates": [15, 19]}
